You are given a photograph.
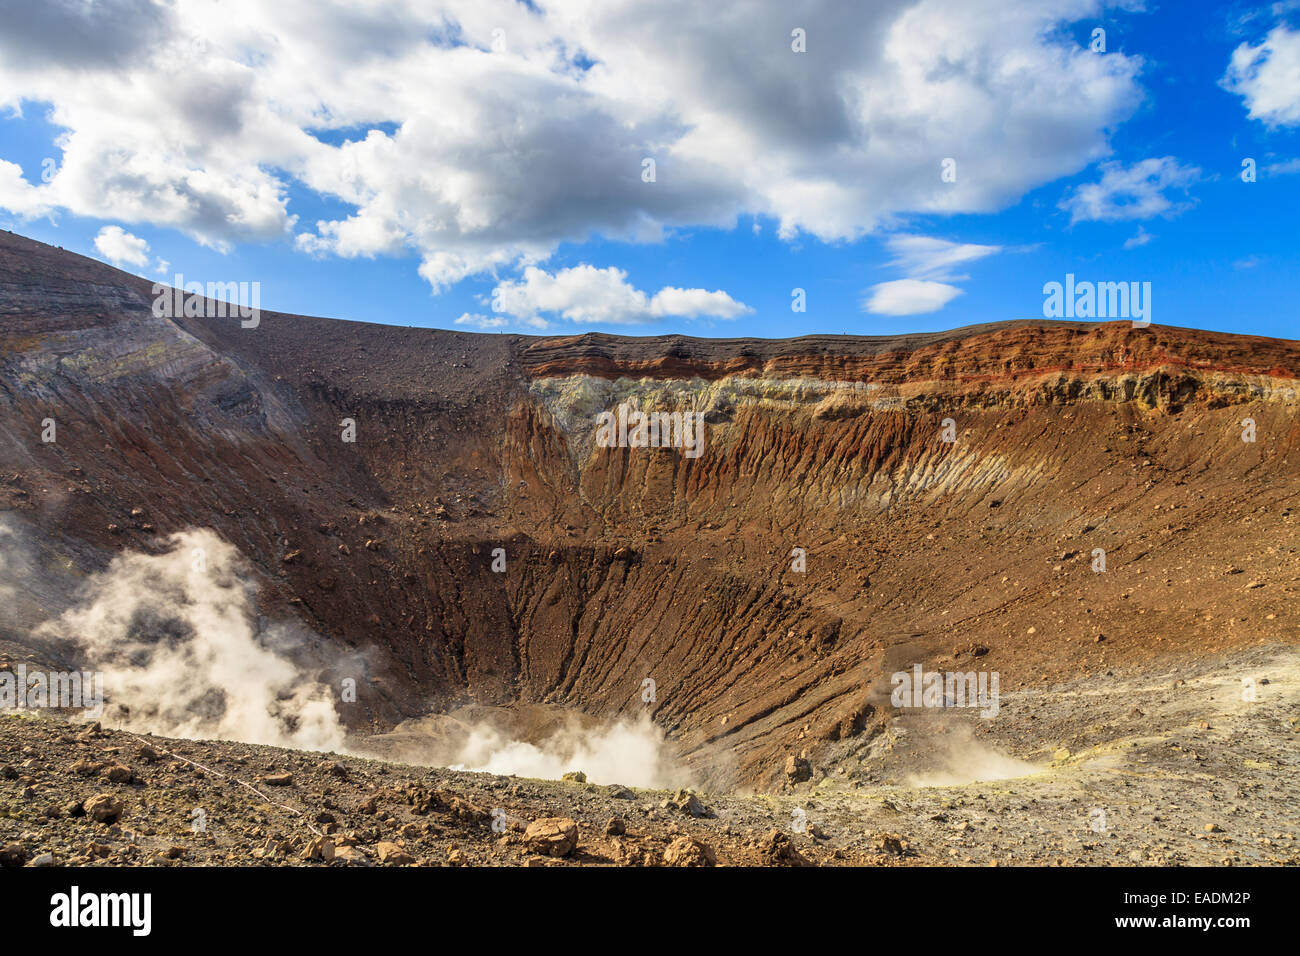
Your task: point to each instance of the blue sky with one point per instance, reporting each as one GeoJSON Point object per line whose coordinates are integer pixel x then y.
{"type": "Point", "coordinates": [1172, 126]}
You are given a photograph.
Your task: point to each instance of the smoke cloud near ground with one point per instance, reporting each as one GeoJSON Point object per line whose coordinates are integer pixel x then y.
{"type": "Point", "coordinates": [12, 564]}
{"type": "Point", "coordinates": [184, 653]}
{"type": "Point", "coordinates": [19, 571]}
{"type": "Point", "coordinates": [956, 758]}
{"type": "Point", "coordinates": [540, 741]}
{"type": "Point", "coordinates": [630, 754]}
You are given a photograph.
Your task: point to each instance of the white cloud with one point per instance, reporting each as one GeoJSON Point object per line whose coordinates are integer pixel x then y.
{"type": "Point", "coordinates": [1284, 168]}
{"type": "Point", "coordinates": [202, 114]}
{"type": "Point", "coordinates": [926, 257]}
{"type": "Point", "coordinates": [121, 248]}
{"type": "Point", "coordinates": [1131, 192]}
{"type": "Point", "coordinates": [909, 297]}
{"type": "Point", "coordinates": [1140, 238]}
{"type": "Point", "coordinates": [474, 320]}
{"type": "Point", "coordinates": [695, 303]}
{"type": "Point", "coordinates": [18, 195]}
{"type": "Point", "coordinates": [1267, 77]}
{"type": "Point", "coordinates": [587, 294]}
{"type": "Point", "coordinates": [931, 265]}
{"type": "Point", "coordinates": [489, 322]}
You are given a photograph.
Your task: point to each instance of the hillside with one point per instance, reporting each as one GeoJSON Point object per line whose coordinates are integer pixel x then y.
{"type": "Point", "coordinates": [625, 563]}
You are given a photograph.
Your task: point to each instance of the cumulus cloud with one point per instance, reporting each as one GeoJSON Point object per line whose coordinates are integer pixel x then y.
{"type": "Point", "coordinates": [587, 294]}
{"type": "Point", "coordinates": [910, 297]}
{"type": "Point", "coordinates": [1131, 192]}
{"type": "Point", "coordinates": [1267, 76]}
{"type": "Point", "coordinates": [121, 248]}
{"type": "Point", "coordinates": [482, 134]}
{"type": "Point", "coordinates": [694, 303]}
{"type": "Point", "coordinates": [18, 195]}
{"type": "Point", "coordinates": [103, 33]}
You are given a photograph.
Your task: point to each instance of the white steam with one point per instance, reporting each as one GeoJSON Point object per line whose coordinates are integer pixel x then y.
{"type": "Point", "coordinates": [958, 759]}
{"type": "Point", "coordinates": [630, 754]}
{"type": "Point", "coordinates": [183, 653]}
{"type": "Point", "coordinates": [17, 567]}
{"type": "Point", "coordinates": [11, 566]}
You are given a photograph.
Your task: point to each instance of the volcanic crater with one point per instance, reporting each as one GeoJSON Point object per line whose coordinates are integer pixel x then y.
{"type": "Point", "coordinates": [827, 537]}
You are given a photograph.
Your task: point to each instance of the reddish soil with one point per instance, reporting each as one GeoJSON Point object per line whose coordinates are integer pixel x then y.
{"type": "Point", "coordinates": [633, 563]}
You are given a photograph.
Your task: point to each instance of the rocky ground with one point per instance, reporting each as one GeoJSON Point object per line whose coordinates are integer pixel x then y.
{"type": "Point", "coordinates": [1100, 514]}
{"type": "Point", "coordinates": [1166, 767]}
{"type": "Point", "coordinates": [86, 795]}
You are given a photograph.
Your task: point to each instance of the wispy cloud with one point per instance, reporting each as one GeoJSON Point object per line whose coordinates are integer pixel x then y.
{"type": "Point", "coordinates": [1140, 238]}
{"type": "Point", "coordinates": [932, 265]}
{"type": "Point", "coordinates": [1132, 192]}
{"type": "Point", "coordinates": [925, 257]}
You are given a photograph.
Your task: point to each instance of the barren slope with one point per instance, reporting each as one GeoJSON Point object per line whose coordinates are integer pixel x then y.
{"type": "Point", "coordinates": [627, 564]}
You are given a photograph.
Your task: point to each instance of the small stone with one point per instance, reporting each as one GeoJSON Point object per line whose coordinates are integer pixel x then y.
{"type": "Point", "coordinates": [103, 808]}
{"type": "Point", "coordinates": [13, 855]}
{"type": "Point", "coordinates": [391, 854]}
{"type": "Point", "coordinates": [319, 848]}
{"type": "Point", "coordinates": [687, 851]}
{"type": "Point", "coordinates": [118, 773]}
{"type": "Point", "coordinates": [350, 854]}
{"type": "Point", "coordinates": [797, 769]}
{"type": "Point", "coordinates": [891, 843]}
{"type": "Point", "coordinates": [552, 836]}
{"type": "Point", "coordinates": [778, 849]}
{"type": "Point", "coordinates": [687, 802]}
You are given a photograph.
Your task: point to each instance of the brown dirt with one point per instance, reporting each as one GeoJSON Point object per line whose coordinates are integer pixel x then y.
{"type": "Point", "coordinates": [635, 563]}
